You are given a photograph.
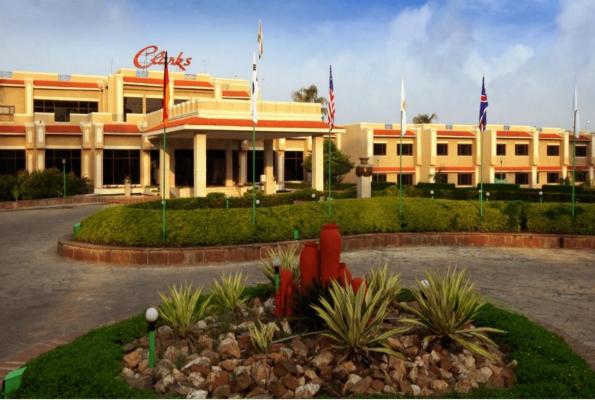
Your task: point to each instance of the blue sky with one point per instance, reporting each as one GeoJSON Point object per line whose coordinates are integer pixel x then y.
{"type": "Point", "coordinates": [529, 51]}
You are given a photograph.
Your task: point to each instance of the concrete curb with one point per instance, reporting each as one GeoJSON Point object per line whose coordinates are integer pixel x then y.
{"type": "Point", "coordinates": [254, 252]}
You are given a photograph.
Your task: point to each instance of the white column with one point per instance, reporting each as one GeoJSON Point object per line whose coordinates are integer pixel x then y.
{"type": "Point", "coordinates": [269, 186]}
{"type": "Point", "coordinates": [280, 167]}
{"type": "Point", "coordinates": [120, 94]}
{"type": "Point", "coordinates": [243, 167]}
{"type": "Point", "coordinates": [29, 95]}
{"type": "Point", "coordinates": [164, 155]}
{"type": "Point", "coordinates": [317, 163]}
{"type": "Point", "coordinates": [200, 164]}
{"type": "Point", "coordinates": [229, 163]}
{"type": "Point", "coordinates": [98, 171]}
{"type": "Point", "coordinates": [145, 168]}
{"type": "Point", "coordinates": [591, 173]}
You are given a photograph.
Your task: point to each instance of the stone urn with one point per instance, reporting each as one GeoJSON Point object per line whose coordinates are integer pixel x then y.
{"type": "Point", "coordinates": [127, 187]}
{"type": "Point", "coordinates": [363, 168]}
{"type": "Point", "coordinates": [127, 180]}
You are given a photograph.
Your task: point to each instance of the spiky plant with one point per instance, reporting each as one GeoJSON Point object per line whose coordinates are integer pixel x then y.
{"type": "Point", "coordinates": [179, 309]}
{"type": "Point", "coordinates": [352, 324]}
{"type": "Point", "coordinates": [389, 286]}
{"type": "Point", "coordinates": [229, 295]}
{"type": "Point", "coordinates": [261, 337]}
{"type": "Point", "coordinates": [446, 307]}
{"type": "Point", "coordinates": [288, 261]}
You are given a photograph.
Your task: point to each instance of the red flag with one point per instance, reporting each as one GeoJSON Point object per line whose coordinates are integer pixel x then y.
{"type": "Point", "coordinates": [165, 93]}
{"type": "Point", "coordinates": [331, 104]}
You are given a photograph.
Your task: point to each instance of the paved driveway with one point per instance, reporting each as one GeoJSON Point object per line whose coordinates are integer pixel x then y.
{"type": "Point", "coordinates": [44, 296]}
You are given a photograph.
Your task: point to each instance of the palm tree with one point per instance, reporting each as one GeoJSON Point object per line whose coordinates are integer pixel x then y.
{"type": "Point", "coordinates": [310, 95]}
{"type": "Point", "coordinates": [424, 119]}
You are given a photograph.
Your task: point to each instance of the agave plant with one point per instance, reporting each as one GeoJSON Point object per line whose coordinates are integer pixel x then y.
{"type": "Point", "coordinates": [288, 261]}
{"type": "Point", "coordinates": [446, 307]}
{"type": "Point", "coordinates": [352, 323]}
{"type": "Point", "coordinates": [179, 309]}
{"type": "Point", "coordinates": [261, 337]}
{"type": "Point", "coordinates": [389, 286]}
{"type": "Point", "coordinates": [229, 294]}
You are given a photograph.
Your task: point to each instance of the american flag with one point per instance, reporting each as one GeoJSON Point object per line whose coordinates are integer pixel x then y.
{"type": "Point", "coordinates": [331, 104]}
{"type": "Point", "coordinates": [483, 106]}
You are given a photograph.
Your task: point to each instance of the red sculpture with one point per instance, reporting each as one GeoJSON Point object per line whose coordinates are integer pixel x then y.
{"type": "Point", "coordinates": [288, 289]}
{"type": "Point", "coordinates": [344, 271]}
{"type": "Point", "coordinates": [309, 266]}
{"type": "Point", "coordinates": [330, 253]}
{"type": "Point", "coordinates": [356, 283]}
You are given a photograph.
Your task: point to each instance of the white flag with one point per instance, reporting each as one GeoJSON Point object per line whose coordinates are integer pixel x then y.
{"type": "Point", "coordinates": [403, 110]}
{"type": "Point", "coordinates": [254, 90]}
{"type": "Point", "coordinates": [575, 112]}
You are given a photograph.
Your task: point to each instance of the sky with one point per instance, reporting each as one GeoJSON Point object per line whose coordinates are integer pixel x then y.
{"type": "Point", "coordinates": [530, 51]}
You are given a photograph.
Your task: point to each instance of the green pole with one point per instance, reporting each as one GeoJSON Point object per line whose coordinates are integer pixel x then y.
{"type": "Point", "coordinates": [253, 172]}
{"type": "Point", "coordinates": [152, 348]}
{"type": "Point", "coordinates": [329, 175]}
{"type": "Point", "coordinates": [377, 167]}
{"type": "Point", "coordinates": [227, 203]}
{"type": "Point", "coordinates": [481, 173]}
{"type": "Point", "coordinates": [400, 171]}
{"type": "Point", "coordinates": [64, 173]}
{"type": "Point", "coordinates": [163, 183]}
{"type": "Point", "coordinates": [573, 163]}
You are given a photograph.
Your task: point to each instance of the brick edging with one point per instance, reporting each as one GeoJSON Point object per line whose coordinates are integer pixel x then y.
{"type": "Point", "coordinates": [254, 252]}
{"type": "Point", "coordinates": [58, 201]}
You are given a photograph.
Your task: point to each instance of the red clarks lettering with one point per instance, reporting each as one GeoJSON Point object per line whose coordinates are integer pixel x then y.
{"type": "Point", "coordinates": [159, 58]}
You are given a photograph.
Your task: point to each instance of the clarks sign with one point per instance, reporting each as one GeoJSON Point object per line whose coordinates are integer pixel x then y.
{"type": "Point", "coordinates": [159, 58]}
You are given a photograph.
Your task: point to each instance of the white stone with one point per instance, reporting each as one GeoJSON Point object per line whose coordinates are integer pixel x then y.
{"type": "Point", "coordinates": [202, 362]}
{"type": "Point", "coordinates": [307, 391]}
{"type": "Point", "coordinates": [288, 352]}
{"type": "Point", "coordinates": [388, 389]}
{"type": "Point", "coordinates": [163, 383]}
{"type": "Point", "coordinates": [164, 330]}
{"type": "Point", "coordinates": [285, 326]}
{"type": "Point", "coordinates": [195, 379]}
{"type": "Point", "coordinates": [416, 390]}
{"type": "Point", "coordinates": [127, 372]}
{"type": "Point", "coordinates": [197, 394]}
{"type": "Point", "coordinates": [200, 325]}
{"type": "Point", "coordinates": [270, 305]}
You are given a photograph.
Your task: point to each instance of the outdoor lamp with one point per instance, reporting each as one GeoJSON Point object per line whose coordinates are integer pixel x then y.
{"type": "Point", "coordinates": [257, 202]}
{"type": "Point", "coordinates": [540, 194]}
{"type": "Point", "coordinates": [151, 315]}
{"type": "Point", "coordinates": [277, 265]}
{"type": "Point", "coordinates": [227, 202]}
{"type": "Point", "coordinates": [313, 197]}
{"type": "Point", "coordinates": [64, 173]}
{"type": "Point", "coordinates": [501, 161]}
{"type": "Point", "coordinates": [432, 193]}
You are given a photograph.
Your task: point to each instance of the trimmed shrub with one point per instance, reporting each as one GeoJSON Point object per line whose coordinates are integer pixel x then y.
{"type": "Point", "coordinates": [562, 189]}
{"type": "Point", "coordinates": [44, 184]}
{"type": "Point", "coordinates": [557, 218]}
{"type": "Point", "coordinates": [500, 187]}
{"type": "Point", "coordinates": [382, 185]}
{"type": "Point", "coordinates": [436, 186]}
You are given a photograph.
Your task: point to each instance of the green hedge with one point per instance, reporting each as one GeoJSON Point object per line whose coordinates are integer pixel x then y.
{"type": "Point", "coordinates": [557, 218]}
{"type": "Point", "coordinates": [436, 186]}
{"type": "Point", "coordinates": [382, 185]}
{"type": "Point", "coordinates": [44, 184]}
{"type": "Point", "coordinates": [500, 187]}
{"type": "Point", "coordinates": [562, 189]}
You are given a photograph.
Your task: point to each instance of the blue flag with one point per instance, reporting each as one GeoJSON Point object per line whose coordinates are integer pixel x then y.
{"type": "Point", "coordinates": [483, 106]}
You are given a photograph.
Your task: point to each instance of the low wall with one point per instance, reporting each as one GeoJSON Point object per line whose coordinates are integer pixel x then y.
{"type": "Point", "coordinates": [254, 252]}
{"type": "Point", "coordinates": [59, 201]}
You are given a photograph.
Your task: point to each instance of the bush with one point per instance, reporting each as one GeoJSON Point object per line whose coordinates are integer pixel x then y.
{"type": "Point", "coordinates": [557, 218]}
{"type": "Point", "coordinates": [44, 184]}
{"type": "Point", "coordinates": [562, 189]}
{"type": "Point", "coordinates": [500, 187]}
{"type": "Point", "coordinates": [382, 185]}
{"type": "Point", "coordinates": [436, 186]}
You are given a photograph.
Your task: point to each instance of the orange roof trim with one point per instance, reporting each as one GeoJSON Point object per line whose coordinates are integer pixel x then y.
{"type": "Point", "coordinates": [514, 134]}
{"type": "Point", "coordinates": [455, 133]}
{"type": "Point", "coordinates": [82, 85]}
{"type": "Point", "coordinates": [63, 129]}
{"type": "Point", "coordinates": [11, 82]}
{"type": "Point", "coordinates": [393, 169]}
{"type": "Point", "coordinates": [456, 169]}
{"type": "Point", "coordinates": [12, 128]}
{"type": "Point", "coordinates": [245, 123]}
{"type": "Point", "coordinates": [146, 81]}
{"type": "Point", "coordinates": [391, 132]}
{"type": "Point", "coordinates": [235, 93]}
{"type": "Point", "coordinates": [580, 167]}
{"type": "Point", "coordinates": [549, 168]}
{"type": "Point", "coordinates": [201, 84]}
{"type": "Point", "coordinates": [513, 169]}
{"type": "Point", "coordinates": [550, 136]}
{"type": "Point", "coordinates": [581, 137]}
{"type": "Point", "coordinates": [115, 128]}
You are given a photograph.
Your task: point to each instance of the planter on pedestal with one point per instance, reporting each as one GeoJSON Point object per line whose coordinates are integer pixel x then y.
{"type": "Point", "coordinates": [330, 252]}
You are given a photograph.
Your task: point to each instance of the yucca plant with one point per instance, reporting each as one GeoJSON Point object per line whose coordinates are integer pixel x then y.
{"type": "Point", "coordinates": [388, 286]}
{"type": "Point", "coordinates": [179, 309]}
{"type": "Point", "coordinates": [261, 337]}
{"type": "Point", "coordinates": [446, 307]}
{"type": "Point", "coordinates": [352, 323]}
{"type": "Point", "coordinates": [229, 295]}
{"type": "Point", "coordinates": [288, 261]}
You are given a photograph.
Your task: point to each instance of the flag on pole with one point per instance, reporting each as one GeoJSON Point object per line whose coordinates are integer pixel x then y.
{"type": "Point", "coordinates": [403, 110]}
{"type": "Point", "coordinates": [259, 38]}
{"type": "Point", "coordinates": [254, 90]}
{"type": "Point", "coordinates": [575, 112]}
{"type": "Point", "coordinates": [165, 94]}
{"type": "Point", "coordinates": [483, 105]}
{"type": "Point", "coordinates": [331, 103]}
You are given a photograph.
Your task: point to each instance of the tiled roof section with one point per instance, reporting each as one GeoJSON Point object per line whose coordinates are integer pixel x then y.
{"type": "Point", "coordinates": [550, 136]}
{"type": "Point", "coordinates": [581, 137]}
{"type": "Point", "coordinates": [391, 132]}
{"type": "Point", "coordinates": [121, 128]}
{"type": "Point", "coordinates": [549, 168]}
{"type": "Point", "coordinates": [11, 82]}
{"type": "Point", "coordinates": [235, 93]}
{"type": "Point", "coordinates": [580, 167]}
{"type": "Point", "coordinates": [12, 128]}
{"type": "Point", "coordinates": [145, 81]}
{"type": "Point", "coordinates": [246, 123]}
{"type": "Point", "coordinates": [81, 85]}
{"type": "Point", "coordinates": [455, 133]}
{"type": "Point", "coordinates": [514, 134]}
{"type": "Point", "coordinates": [194, 84]}
{"type": "Point", "coordinates": [514, 169]}
{"type": "Point", "coordinates": [457, 169]}
{"type": "Point", "coordinates": [63, 128]}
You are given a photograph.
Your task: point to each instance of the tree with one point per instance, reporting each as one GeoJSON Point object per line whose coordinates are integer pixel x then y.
{"type": "Point", "coordinates": [310, 95]}
{"type": "Point", "coordinates": [424, 118]}
{"type": "Point", "coordinates": [340, 163]}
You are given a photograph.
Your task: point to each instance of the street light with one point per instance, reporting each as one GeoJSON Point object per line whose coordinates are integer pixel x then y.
{"type": "Point", "coordinates": [488, 196]}
{"type": "Point", "coordinates": [277, 266]}
{"type": "Point", "coordinates": [227, 202]}
{"type": "Point", "coordinates": [151, 315]}
{"type": "Point", "coordinates": [64, 173]}
{"type": "Point", "coordinates": [313, 197]}
{"type": "Point", "coordinates": [257, 202]}
{"type": "Point", "coordinates": [377, 167]}
{"type": "Point", "coordinates": [432, 193]}
{"type": "Point", "coordinates": [479, 194]}
{"type": "Point", "coordinates": [501, 161]}
{"type": "Point", "coordinates": [540, 198]}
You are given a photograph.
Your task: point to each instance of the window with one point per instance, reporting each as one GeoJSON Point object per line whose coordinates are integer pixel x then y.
{"type": "Point", "coordinates": [521, 178]}
{"type": "Point", "coordinates": [553, 177]}
{"type": "Point", "coordinates": [442, 149]}
{"type": "Point", "coordinates": [581, 176]}
{"type": "Point", "coordinates": [6, 110]}
{"type": "Point", "coordinates": [553, 150]}
{"type": "Point", "coordinates": [179, 101]}
{"type": "Point", "coordinates": [500, 149]}
{"type": "Point", "coordinates": [407, 149]}
{"type": "Point", "coordinates": [63, 109]}
{"type": "Point", "coordinates": [379, 149]}
{"type": "Point", "coordinates": [441, 178]}
{"type": "Point", "coordinates": [119, 163]}
{"type": "Point", "coordinates": [380, 177]}
{"type": "Point", "coordinates": [581, 151]}
{"type": "Point", "coordinates": [497, 176]}
{"type": "Point", "coordinates": [53, 159]}
{"type": "Point", "coordinates": [465, 150]}
{"type": "Point", "coordinates": [407, 179]}
{"type": "Point", "coordinates": [154, 105]}
{"type": "Point", "coordinates": [12, 161]}
{"type": "Point", "coordinates": [293, 166]}
{"type": "Point", "coordinates": [465, 179]}
{"type": "Point", "coordinates": [134, 105]}
{"type": "Point", "coordinates": [521, 149]}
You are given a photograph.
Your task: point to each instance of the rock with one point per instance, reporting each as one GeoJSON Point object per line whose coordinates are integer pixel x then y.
{"type": "Point", "coordinates": [200, 325]}
{"type": "Point", "coordinates": [229, 365]}
{"type": "Point", "coordinates": [202, 362]}
{"type": "Point", "coordinates": [133, 359]}
{"type": "Point", "coordinates": [285, 367]}
{"type": "Point", "coordinates": [143, 366]}
{"type": "Point", "coordinates": [257, 393]}
{"type": "Point", "coordinates": [469, 362]}
{"type": "Point", "coordinates": [170, 352]}
{"type": "Point", "coordinates": [276, 357]}
{"type": "Point", "coordinates": [290, 382]}
{"type": "Point", "coordinates": [205, 341]}
{"type": "Point", "coordinates": [508, 377]}
{"type": "Point", "coordinates": [127, 372]}
{"type": "Point", "coordinates": [146, 354]}
{"type": "Point", "coordinates": [242, 370]}
{"type": "Point", "coordinates": [324, 357]}
{"type": "Point", "coordinates": [285, 327]}
{"type": "Point", "coordinates": [196, 369]}
{"type": "Point", "coordinates": [300, 349]}
{"type": "Point", "coordinates": [326, 372]}
{"type": "Point", "coordinates": [197, 394]}
{"type": "Point", "coordinates": [351, 381]}
{"type": "Point", "coordinates": [512, 364]}
{"type": "Point", "coordinates": [435, 357]}
{"type": "Point", "coordinates": [269, 305]}
{"type": "Point", "coordinates": [411, 352]}
{"type": "Point", "coordinates": [340, 373]}
{"type": "Point", "coordinates": [361, 386]}
{"type": "Point", "coordinates": [416, 390]}
{"type": "Point", "coordinates": [496, 369]}
{"type": "Point", "coordinates": [484, 374]}
{"type": "Point", "coordinates": [444, 374]}
{"type": "Point", "coordinates": [307, 391]}
{"type": "Point", "coordinates": [179, 377]}
{"type": "Point", "coordinates": [241, 382]}
{"type": "Point", "coordinates": [288, 353]}
{"type": "Point", "coordinates": [130, 346]}
{"type": "Point", "coordinates": [420, 361]}
{"type": "Point", "coordinates": [277, 389]}
{"type": "Point", "coordinates": [377, 385]}
{"type": "Point", "coordinates": [179, 389]}
{"type": "Point", "coordinates": [446, 364]}
{"type": "Point", "coordinates": [229, 348]}
{"type": "Point", "coordinates": [164, 382]}
{"type": "Point", "coordinates": [409, 341]}
{"type": "Point", "coordinates": [413, 374]}
{"type": "Point", "coordinates": [260, 372]}
{"type": "Point", "coordinates": [465, 385]}
{"type": "Point", "coordinates": [143, 382]}
{"type": "Point", "coordinates": [496, 381]}
{"type": "Point", "coordinates": [309, 374]}
{"type": "Point", "coordinates": [387, 389]}
{"type": "Point", "coordinates": [425, 392]}
{"type": "Point", "coordinates": [405, 386]}
{"type": "Point", "coordinates": [222, 379]}
{"type": "Point", "coordinates": [423, 381]}
{"type": "Point", "coordinates": [288, 395]}
{"type": "Point", "coordinates": [349, 367]}
{"type": "Point", "coordinates": [397, 376]}
{"type": "Point", "coordinates": [165, 330]}
{"type": "Point", "coordinates": [395, 344]}
{"type": "Point", "coordinates": [259, 311]}
{"type": "Point", "coordinates": [439, 385]}
{"type": "Point", "coordinates": [221, 392]}
{"type": "Point", "coordinates": [211, 355]}
{"type": "Point", "coordinates": [195, 379]}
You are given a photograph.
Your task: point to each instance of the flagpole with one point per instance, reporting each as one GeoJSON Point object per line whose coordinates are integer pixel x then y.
{"type": "Point", "coordinates": [400, 168]}
{"type": "Point", "coordinates": [253, 172]}
{"type": "Point", "coordinates": [481, 174]}
{"type": "Point", "coordinates": [573, 164]}
{"type": "Point", "coordinates": [329, 174]}
{"type": "Point", "coordinates": [164, 149]}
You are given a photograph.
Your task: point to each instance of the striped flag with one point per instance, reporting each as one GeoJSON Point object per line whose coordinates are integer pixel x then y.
{"type": "Point", "coordinates": [254, 95]}
{"type": "Point", "coordinates": [165, 93]}
{"type": "Point", "coordinates": [483, 105]}
{"type": "Point", "coordinates": [575, 112]}
{"type": "Point", "coordinates": [331, 103]}
{"type": "Point", "coordinates": [403, 109]}
{"type": "Point", "coordinates": [259, 38]}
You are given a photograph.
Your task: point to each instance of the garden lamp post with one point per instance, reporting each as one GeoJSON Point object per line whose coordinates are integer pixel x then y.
{"type": "Point", "coordinates": [501, 161]}
{"type": "Point", "coordinates": [540, 198]}
{"type": "Point", "coordinates": [257, 202]}
{"type": "Point", "coordinates": [313, 197]}
{"type": "Point", "coordinates": [151, 315]}
{"type": "Point", "coordinates": [378, 167]}
{"type": "Point", "coordinates": [64, 173]}
{"type": "Point", "coordinates": [227, 202]}
{"type": "Point", "coordinates": [432, 193]}
{"type": "Point", "coordinates": [479, 194]}
{"type": "Point", "coordinates": [488, 196]}
{"type": "Point", "coordinates": [277, 266]}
